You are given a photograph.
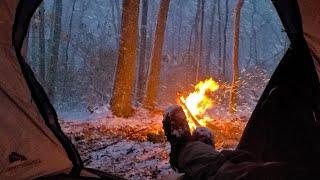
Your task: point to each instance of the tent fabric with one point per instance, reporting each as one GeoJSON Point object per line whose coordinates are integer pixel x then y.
{"type": "Point", "coordinates": [24, 12]}
{"type": "Point", "coordinates": [29, 121]}
{"type": "Point", "coordinates": [311, 23]}
{"type": "Point", "coordinates": [7, 18]}
{"type": "Point", "coordinates": [29, 127]}
{"type": "Point", "coordinates": [311, 27]}
{"type": "Point", "coordinates": [289, 106]}
{"type": "Point", "coordinates": [28, 147]}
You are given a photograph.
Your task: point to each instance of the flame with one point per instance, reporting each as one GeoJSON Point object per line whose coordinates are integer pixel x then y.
{"type": "Point", "coordinates": [197, 102]}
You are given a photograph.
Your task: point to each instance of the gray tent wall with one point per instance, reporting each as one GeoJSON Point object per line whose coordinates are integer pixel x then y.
{"type": "Point", "coordinates": [285, 123]}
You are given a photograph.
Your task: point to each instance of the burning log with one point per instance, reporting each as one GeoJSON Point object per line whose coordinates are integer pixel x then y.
{"type": "Point", "coordinates": [193, 118]}
{"type": "Point", "coordinates": [197, 102]}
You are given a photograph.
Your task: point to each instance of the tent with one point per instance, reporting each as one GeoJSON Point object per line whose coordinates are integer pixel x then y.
{"type": "Point", "coordinates": [33, 145]}
{"type": "Point", "coordinates": [285, 123]}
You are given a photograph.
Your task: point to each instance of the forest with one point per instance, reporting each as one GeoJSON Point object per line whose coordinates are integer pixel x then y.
{"type": "Point", "coordinates": [111, 68]}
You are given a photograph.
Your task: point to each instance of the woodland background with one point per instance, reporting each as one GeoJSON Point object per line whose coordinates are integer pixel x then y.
{"type": "Point", "coordinates": [74, 46]}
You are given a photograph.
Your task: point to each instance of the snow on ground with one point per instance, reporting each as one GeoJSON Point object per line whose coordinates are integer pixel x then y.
{"type": "Point", "coordinates": [83, 114]}
{"type": "Point", "coordinates": [135, 148]}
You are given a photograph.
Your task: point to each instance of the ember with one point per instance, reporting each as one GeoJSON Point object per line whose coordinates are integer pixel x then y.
{"type": "Point", "coordinates": [198, 102]}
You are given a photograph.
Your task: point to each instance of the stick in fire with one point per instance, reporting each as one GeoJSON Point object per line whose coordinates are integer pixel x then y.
{"type": "Point", "coordinates": [193, 118]}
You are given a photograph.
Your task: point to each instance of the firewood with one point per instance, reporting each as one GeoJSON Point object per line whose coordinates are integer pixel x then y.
{"type": "Point", "coordinates": [194, 119]}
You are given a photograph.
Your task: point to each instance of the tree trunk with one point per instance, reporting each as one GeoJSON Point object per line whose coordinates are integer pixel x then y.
{"type": "Point", "coordinates": [253, 38]}
{"type": "Point", "coordinates": [200, 42]}
{"type": "Point", "coordinates": [150, 37]}
{"type": "Point", "coordinates": [154, 75]}
{"type": "Point", "coordinates": [142, 55]}
{"type": "Point", "coordinates": [54, 57]}
{"type": "Point", "coordinates": [188, 62]}
{"type": "Point", "coordinates": [114, 19]}
{"type": "Point", "coordinates": [121, 104]}
{"type": "Point", "coordinates": [196, 48]}
{"type": "Point", "coordinates": [219, 39]}
{"type": "Point", "coordinates": [210, 49]}
{"type": "Point", "coordinates": [117, 8]}
{"type": "Point", "coordinates": [173, 25]}
{"type": "Point", "coordinates": [42, 46]}
{"type": "Point", "coordinates": [235, 57]}
{"type": "Point", "coordinates": [179, 32]}
{"type": "Point", "coordinates": [66, 62]}
{"type": "Point", "coordinates": [224, 59]}
{"type": "Point", "coordinates": [254, 33]}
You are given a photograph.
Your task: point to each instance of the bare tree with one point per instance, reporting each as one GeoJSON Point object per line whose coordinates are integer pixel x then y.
{"type": "Point", "coordinates": [54, 57]}
{"type": "Point", "coordinates": [173, 35]}
{"type": "Point", "coordinates": [142, 52]}
{"type": "Point", "coordinates": [115, 13]}
{"type": "Point", "coordinates": [189, 63]}
{"type": "Point", "coordinates": [224, 59]}
{"type": "Point", "coordinates": [235, 56]}
{"type": "Point", "coordinates": [121, 104]}
{"type": "Point", "coordinates": [253, 38]}
{"type": "Point", "coordinates": [66, 61]}
{"type": "Point", "coordinates": [154, 75]}
{"type": "Point", "coordinates": [210, 43]}
{"type": "Point", "coordinates": [219, 39]}
{"type": "Point", "coordinates": [196, 44]}
{"type": "Point", "coordinates": [42, 48]}
{"type": "Point", "coordinates": [254, 34]}
{"type": "Point", "coordinates": [190, 44]}
{"type": "Point", "coordinates": [200, 40]}
{"type": "Point", "coordinates": [179, 31]}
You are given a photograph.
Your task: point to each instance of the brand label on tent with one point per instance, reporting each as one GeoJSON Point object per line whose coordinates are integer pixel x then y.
{"type": "Point", "coordinates": [14, 156]}
{"type": "Point", "coordinates": [18, 161]}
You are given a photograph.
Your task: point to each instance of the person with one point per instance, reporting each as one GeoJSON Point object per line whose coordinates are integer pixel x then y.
{"type": "Point", "coordinates": [194, 155]}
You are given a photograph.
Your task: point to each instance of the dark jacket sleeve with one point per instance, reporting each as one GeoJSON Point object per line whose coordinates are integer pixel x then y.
{"type": "Point", "coordinates": [196, 157]}
{"type": "Point", "coordinates": [201, 161]}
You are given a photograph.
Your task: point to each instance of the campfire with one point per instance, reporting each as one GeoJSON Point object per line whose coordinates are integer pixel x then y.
{"type": "Point", "coordinates": [198, 102]}
{"type": "Point", "coordinates": [227, 130]}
